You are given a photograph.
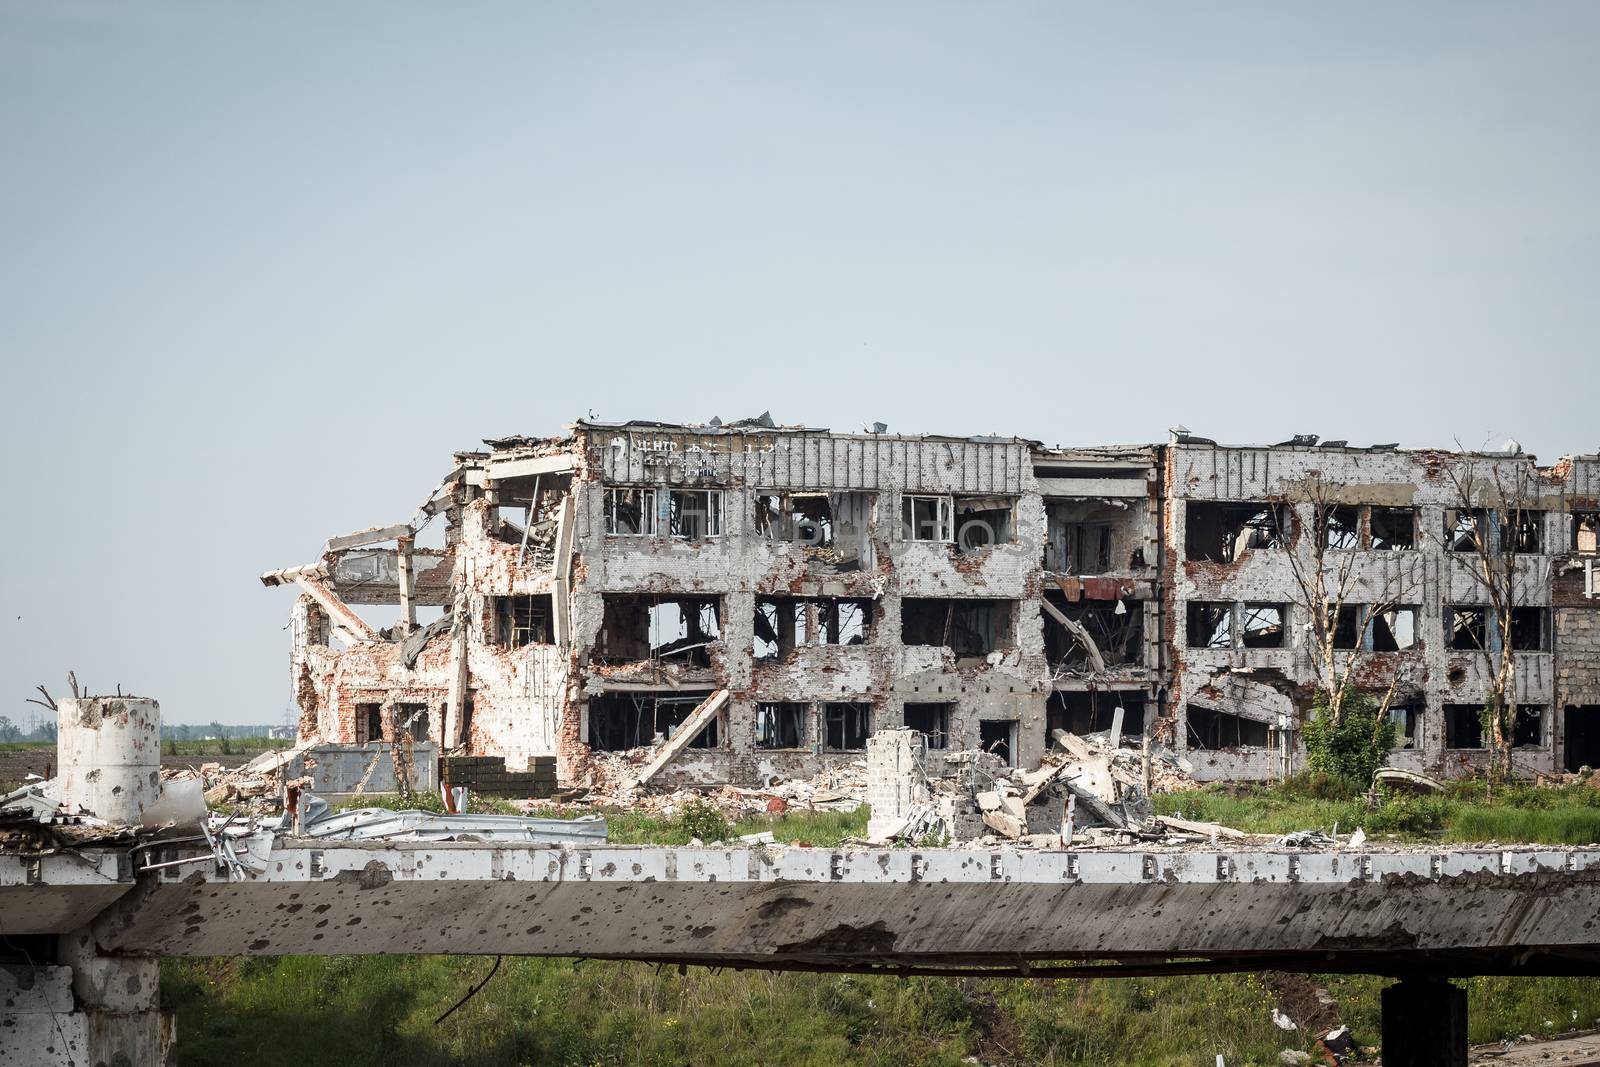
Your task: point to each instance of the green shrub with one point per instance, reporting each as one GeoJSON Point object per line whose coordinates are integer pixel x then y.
{"type": "Point", "coordinates": [1355, 746]}
{"type": "Point", "coordinates": [702, 820]}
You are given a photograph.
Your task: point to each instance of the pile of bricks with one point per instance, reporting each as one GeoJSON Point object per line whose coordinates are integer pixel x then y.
{"type": "Point", "coordinates": [488, 775]}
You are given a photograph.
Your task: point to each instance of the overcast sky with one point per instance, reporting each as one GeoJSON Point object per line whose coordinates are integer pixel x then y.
{"type": "Point", "coordinates": [264, 267]}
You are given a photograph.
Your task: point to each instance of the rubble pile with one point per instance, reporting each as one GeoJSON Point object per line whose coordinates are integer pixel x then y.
{"type": "Point", "coordinates": [1085, 792]}
{"type": "Point", "coordinates": [612, 782]}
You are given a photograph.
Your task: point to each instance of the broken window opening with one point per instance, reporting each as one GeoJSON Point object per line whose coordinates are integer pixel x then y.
{"type": "Point", "coordinates": [1210, 625]}
{"type": "Point", "coordinates": [848, 725]}
{"type": "Point", "coordinates": [1528, 728]}
{"type": "Point", "coordinates": [1117, 630]}
{"type": "Point", "coordinates": [1347, 626]}
{"type": "Point", "coordinates": [1528, 629]}
{"type": "Point", "coordinates": [694, 514]}
{"type": "Point", "coordinates": [525, 510]}
{"type": "Point", "coordinates": [1521, 531]}
{"type": "Point", "coordinates": [1341, 527]}
{"type": "Point", "coordinates": [412, 720]}
{"type": "Point", "coordinates": [1463, 726]}
{"type": "Point", "coordinates": [843, 622]}
{"type": "Point", "coordinates": [806, 518]}
{"type": "Point", "coordinates": [1000, 737]}
{"type": "Point", "coordinates": [1394, 629]}
{"type": "Point", "coordinates": [1586, 532]}
{"type": "Point", "coordinates": [1210, 728]}
{"type": "Point", "coordinates": [642, 627]}
{"type": "Point", "coordinates": [926, 518]}
{"type": "Point", "coordinates": [1091, 536]}
{"type": "Point", "coordinates": [1262, 626]}
{"type": "Point", "coordinates": [982, 522]}
{"type": "Point", "coordinates": [933, 721]}
{"type": "Point", "coordinates": [783, 624]}
{"type": "Point", "coordinates": [780, 627]}
{"type": "Point", "coordinates": [1393, 529]}
{"type": "Point", "coordinates": [631, 511]}
{"type": "Point", "coordinates": [620, 721]}
{"type": "Point", "coordinates": [1407, 718]}
{"type": "Point", "coordinates": [1224, 532]}
{"type": "Point", "coordinates": [1093, 712]}
{"type": "Point", "coordinates": [369, 723]}
{"type": "Point", "coordinates": [1469, 628]}
{"type": "Point", "coordinates": [967, 627]}
{"type": "Point", "coordinates": [781, 725]}
{"type": "Point", "coordinates": [523, 620]}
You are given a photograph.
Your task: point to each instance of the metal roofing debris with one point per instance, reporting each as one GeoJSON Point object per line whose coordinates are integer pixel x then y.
{"type": "Point", "coordinates": [381, 824]}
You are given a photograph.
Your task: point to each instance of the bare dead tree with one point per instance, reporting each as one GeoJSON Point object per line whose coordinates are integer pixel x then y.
{"type": "Point", "coordinates": [1327, 581]}
{"type": "Point", "coordinates": [1496, 515]}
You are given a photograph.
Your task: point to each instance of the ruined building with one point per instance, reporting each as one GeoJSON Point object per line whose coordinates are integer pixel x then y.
{"type": "Point", "coordinates": [735, 603]}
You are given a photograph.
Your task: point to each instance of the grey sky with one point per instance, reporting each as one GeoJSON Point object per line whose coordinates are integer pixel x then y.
{"type": "Point", "coordinates": [264, 267]}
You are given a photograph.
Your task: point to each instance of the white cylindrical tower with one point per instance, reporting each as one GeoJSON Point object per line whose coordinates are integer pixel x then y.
{"type": "Point", "coordinates": [108, 750]}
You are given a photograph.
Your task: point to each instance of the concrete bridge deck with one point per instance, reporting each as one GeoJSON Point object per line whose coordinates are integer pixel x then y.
{"type": "Point", "coordinates": [1457, 911]}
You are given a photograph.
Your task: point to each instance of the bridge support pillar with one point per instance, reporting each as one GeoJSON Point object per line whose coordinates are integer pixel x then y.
{"type": "Point", "coordinates": [1424, 1024]}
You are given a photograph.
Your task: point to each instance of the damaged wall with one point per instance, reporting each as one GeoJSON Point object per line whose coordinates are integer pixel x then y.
{"type": "Point", "coordinates": [988, 582]}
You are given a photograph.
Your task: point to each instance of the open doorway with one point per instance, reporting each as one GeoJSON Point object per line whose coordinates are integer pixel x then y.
{"type": "Point", "coordinates": [999, 737]}
{"type": "Point", "coordinates": [1582, 732]}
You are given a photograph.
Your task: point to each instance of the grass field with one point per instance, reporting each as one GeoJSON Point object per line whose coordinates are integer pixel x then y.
{"type": "Point", "coordinates": [350, 1011]}
{"type": "Point", "coordinates": [1563, 815]}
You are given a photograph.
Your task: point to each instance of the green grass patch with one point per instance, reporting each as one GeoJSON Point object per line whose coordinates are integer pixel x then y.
{"type": "Point", "coordinates": [353, 1011]}
{"type": "Point", "coordinates": [1559, 815]}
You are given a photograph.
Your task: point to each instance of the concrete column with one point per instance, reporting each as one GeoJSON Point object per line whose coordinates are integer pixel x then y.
{"type": "Point", "coordinates": [117, 997]}
{"type": "Point", "coordinates": [109, 753]}
{"type": "Point", "coordinates": [1424, 1024]}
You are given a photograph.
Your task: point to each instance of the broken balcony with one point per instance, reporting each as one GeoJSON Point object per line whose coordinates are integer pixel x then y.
{"type": "Point", "coordinates": [674, 629]}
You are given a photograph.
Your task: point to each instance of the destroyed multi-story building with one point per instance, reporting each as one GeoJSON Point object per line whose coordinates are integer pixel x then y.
{"type": "Point", "coordinates": [748, 602]}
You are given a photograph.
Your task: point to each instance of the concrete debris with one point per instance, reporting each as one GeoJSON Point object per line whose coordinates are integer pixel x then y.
{"type": "Point", "coordinates": [380, 824]}
{"type": "Point", "coordinates": [1082, 792]}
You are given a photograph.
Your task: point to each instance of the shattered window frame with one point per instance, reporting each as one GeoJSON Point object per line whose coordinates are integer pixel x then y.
{"type": "Point", "coordinates": [1391, 618]}
{"type": "Point", "coordinates": [780, 516]}
{"type": "Point", "coordinates": [1223, 729]}
{"type": "Point", "coordinates": [1463, 723]}
{"type": "Point", "coordinates": [1522, 532]}
{"type": "Point", "coordinates": [1463, 527]}
{"type": "Point", "coordinates": [1392, 529]}
{"type": "Point", "coordinates": [1253, 618]}
{"type": "Point", "coordinates": [1528, 726]}
{"type": "Point", "coordinates": [639, 501]}
{"type": "Point", "coordinates": [846, 725]}
{"type": "Point", "coordinates": [1215, 616]}
{"type": "Point", "coordinates": [1257, 525]}
{"type": "Point", "coordinates": [941, 522]}
{"type": "Point", "coordinates": [523, 619]}
{"type": "Point", "coordinates": [1407, 718]}
{"type": "Point", "coordinates": [1340, 528]}
{"type": "Point", "coordinates": [1586, 532]}
{"type": "Point", "coordinates": [932, 721]}
{"type": "Point", "coordinates": [694, 524]}
{"type": "Point", "coordinates": [781, 721]}
{"type": "Point", "coordinates": [1011, 730]}
{"type": "Point", "coordinates": [1530, 628]}
{"type": "Point", "coordinates": [1466, 627]}
{"type": "Point", "coordinates": [996, 525]}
